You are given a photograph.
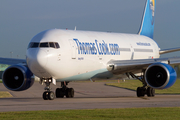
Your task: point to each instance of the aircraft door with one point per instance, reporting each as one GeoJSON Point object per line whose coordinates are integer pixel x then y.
{"type": "Point", "coordinates": [132, 52]}
{"type": "Point", "coordinates": [73, 48]}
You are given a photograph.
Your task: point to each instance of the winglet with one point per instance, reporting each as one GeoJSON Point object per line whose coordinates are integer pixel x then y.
{"type": "Point", "coordinates": [147, 25]}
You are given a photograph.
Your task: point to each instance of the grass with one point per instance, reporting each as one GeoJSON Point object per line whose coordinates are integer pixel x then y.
{"type": "Point", "coordinates": [133, 84]}
{"type": "Point", "coordinates": [97, 114]}
{"type": "Point", "coordinates": [5, 94]}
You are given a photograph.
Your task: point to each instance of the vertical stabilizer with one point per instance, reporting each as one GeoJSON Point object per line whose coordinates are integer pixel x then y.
{"type": "Point", "coordinates": [147, 25]}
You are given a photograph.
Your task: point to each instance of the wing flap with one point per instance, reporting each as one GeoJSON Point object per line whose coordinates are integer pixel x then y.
{"type": "Point", "coordinates": [124, 66]}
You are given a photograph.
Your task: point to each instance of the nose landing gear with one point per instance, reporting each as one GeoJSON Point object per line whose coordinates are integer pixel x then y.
{"type": "Point", "coordinates": [48, 94]}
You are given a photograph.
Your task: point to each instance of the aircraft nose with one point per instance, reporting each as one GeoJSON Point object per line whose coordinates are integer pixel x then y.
{"type": "Point", "coordinates": [41, 58]}
{"type": "Point", "coordinates": [37, 60]}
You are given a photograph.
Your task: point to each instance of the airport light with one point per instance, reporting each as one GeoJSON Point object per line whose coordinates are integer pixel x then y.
{"type": "Point", "coordinates": [11, 54]}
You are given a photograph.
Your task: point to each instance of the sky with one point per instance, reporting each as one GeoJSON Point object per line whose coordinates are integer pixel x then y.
{"type": "Point", "coordinates": [20, 20]}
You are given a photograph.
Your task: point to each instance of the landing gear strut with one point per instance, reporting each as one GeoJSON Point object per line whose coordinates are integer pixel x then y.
{"type": "Point", "coordinates": [64, 91]}
{"type": "Point", "coordinates": [145, 90]}
{"type": "Point", "coordinates": [48, 94]}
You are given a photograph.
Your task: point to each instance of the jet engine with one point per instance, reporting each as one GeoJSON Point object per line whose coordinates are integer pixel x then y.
{"type": "Point", "coordinates": [160, 76]}
{"type": "Point", "coordinates": [17, 78]}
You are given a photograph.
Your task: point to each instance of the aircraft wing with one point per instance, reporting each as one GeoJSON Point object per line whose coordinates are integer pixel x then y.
{"type": "Point", "coordinates": [12, 61]}
{"type": "Point", "coordinates": [136, 66]}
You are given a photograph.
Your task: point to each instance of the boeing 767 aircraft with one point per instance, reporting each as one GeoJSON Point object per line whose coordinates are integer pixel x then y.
{"type": "Point", "coordinates": [57, 55]}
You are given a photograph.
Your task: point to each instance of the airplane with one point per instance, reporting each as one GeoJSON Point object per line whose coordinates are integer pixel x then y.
{"type": "Point", "coordinates": [58, 55]}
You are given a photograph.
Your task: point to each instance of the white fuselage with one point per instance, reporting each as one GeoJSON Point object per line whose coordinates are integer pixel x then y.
{"type": "Point", "coordinates": [83, 54]}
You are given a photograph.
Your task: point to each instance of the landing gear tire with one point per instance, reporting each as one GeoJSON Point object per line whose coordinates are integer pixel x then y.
{"type": "Point", "coordinates": [48, 95]}
{"type": "Point", "coordinates": [150, 92]}
{"type": "Point", "coordinates": [72, 92]}
{"type": "Point", "coordinates": [59, 93]}
{"type": "Point", "coordinates": [69, 92]}
{"type": "Point", "coordinates": [51, 95]}
{"type": "Point", "coordinates": [141, 91]}
{"type": "Point", "coordinates": [145, 90]}
{"type": "Point", "coordinates": [64, 91]}
{"type": "Point", "coordinates": [45, 95]}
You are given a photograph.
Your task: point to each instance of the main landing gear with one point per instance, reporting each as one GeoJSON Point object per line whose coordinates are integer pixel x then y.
{"type": "Point", "coordinates": [64, 91]}
{"type": "Point", "coordinates": [142, 91]}
{"type": "Point", "coordinates": [145, 90]}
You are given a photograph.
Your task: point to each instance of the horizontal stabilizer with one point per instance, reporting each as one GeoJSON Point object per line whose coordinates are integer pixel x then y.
{"type": "Point", "coordinates": [169, 50]}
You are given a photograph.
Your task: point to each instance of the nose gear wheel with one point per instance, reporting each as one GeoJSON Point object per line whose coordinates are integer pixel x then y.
{"type": "Point", "coordinates": [48, 95]}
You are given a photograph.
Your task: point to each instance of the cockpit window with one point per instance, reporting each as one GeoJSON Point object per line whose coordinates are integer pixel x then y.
{"type": "Point", "coordinates": [30, 45]}
{"type": "Point", "coordinates": [44, 44]}
{"type": "Point", "coordinates": [57, 45]}
{"type": "Point", "coordinates": [51, 44]}
{"type": "Point", "coordinates": [33, 45]}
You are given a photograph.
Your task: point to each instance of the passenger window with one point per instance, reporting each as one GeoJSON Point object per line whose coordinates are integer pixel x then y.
{"type": "Point", "coordinates": [57, 45]}
{"type": "Point", "coordinates": [51, 44]}
{"type": "Point", "coordinates": [45, 44]}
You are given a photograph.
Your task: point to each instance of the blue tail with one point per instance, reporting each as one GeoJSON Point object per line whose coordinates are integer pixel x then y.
{"type": "Point", "coordinates": [147, 25]}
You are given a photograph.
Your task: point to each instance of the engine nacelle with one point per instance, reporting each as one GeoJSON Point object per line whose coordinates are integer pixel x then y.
{"type": "Point", "coordinates": [160, 76]}
{"type": "Point", "coordinates": [17, 78]}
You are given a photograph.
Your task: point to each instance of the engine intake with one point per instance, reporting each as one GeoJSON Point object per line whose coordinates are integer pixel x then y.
{"type": "Point", "coordinates": [160, 76]}
{"type": "Point", "coordinates": [17, 78]}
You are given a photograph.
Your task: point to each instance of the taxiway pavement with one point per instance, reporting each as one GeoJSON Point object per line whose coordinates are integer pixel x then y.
{"type": "Point", "coordinates": [88, 95]}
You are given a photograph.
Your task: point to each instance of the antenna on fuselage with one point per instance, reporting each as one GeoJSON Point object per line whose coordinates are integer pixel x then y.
{"type": "Point", "coordinates": [75, 28]}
